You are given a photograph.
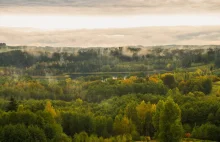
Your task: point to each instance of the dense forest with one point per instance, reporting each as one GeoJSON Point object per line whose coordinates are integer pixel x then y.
{"type": "Point", "coordinates": [38, 61]}
{"type": "Point", "coordinates": [123, 94]}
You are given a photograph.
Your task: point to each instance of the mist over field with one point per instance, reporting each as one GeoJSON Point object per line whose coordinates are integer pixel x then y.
{"type": "Point", "coordinates": [146, 36]}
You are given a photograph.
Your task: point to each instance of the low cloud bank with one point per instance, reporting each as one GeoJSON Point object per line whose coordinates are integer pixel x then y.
{"type": "Point", "coordinates": [147, 36]}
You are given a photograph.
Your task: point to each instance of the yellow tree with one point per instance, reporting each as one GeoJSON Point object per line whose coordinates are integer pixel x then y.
{"type": "Point", "coordinates": [49, 108]}
{"type": "Point", "coordinates": [131, 113]}
{"type": "Point", "coordinates": [122, 125]}
{"type": "Point", "coordinates": [145, 113]}
{"type": "Point", "coordinates": [154, 78]}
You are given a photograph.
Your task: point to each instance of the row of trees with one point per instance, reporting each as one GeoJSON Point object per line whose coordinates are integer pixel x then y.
{"type": "Point", "coordinates": [19, 123]}
{"type": "Point", "coordinates": [96, 89]}
{"type": "Point", "coordinates": [122, 59]}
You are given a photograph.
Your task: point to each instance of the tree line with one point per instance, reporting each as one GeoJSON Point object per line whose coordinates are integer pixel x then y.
{"type": "Point", "coordinates": [122, 59]}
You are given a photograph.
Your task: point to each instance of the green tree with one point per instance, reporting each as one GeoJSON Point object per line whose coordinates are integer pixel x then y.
{"type": "Point", "coordinates": [156, 116]}
{"type": "Point", "coordinates": [52, 131]}
{"type": "Point", "coordinates": [206, 132]}
{"type": "Point", "coordinates": [81, 137]}
{"type": "Point", "coordinates": [14, 133]}
{"type": "Point", "coordinates": [13, 105]}
{"type": "Point", "coordinates": [62, 138]}
{"type": "Point", "coordinates": [101, 126]}
{"type": "Point", "coordinates": [145, 113]}
{"type": "Point", "coordinates": [36, 134]}
{"type": "Point", "coordinates": [168, 80]}
{"type": "Point", "coordinates": [122, 125]}
{"type": "Point", "coordinates": [170, 126]}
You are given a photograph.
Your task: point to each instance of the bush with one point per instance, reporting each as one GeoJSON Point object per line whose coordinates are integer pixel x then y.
{"type": "Point", "coordinates": [207, 132]}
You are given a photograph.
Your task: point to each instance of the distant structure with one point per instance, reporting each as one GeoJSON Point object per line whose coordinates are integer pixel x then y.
{"type": "Point", "coordinates": [2, 44]}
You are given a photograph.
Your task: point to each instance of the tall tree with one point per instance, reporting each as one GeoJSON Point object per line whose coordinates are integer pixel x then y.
{"type": "Point", "coordinates": [145, 112]}
{"type": "Point", "coordinates": [49, 108]}
{"type": "Point", "coordinates": [156, 116]}
{"type": "Point", "coordinates": [170, 126]}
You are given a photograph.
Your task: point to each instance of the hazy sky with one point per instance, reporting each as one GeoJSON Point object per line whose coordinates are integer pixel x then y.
{"type": "Point", "coordinates": [109, 22]}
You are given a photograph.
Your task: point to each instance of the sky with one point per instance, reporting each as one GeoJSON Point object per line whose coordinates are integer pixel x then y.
{"type": "Point", "coordinates": [87, 23]}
